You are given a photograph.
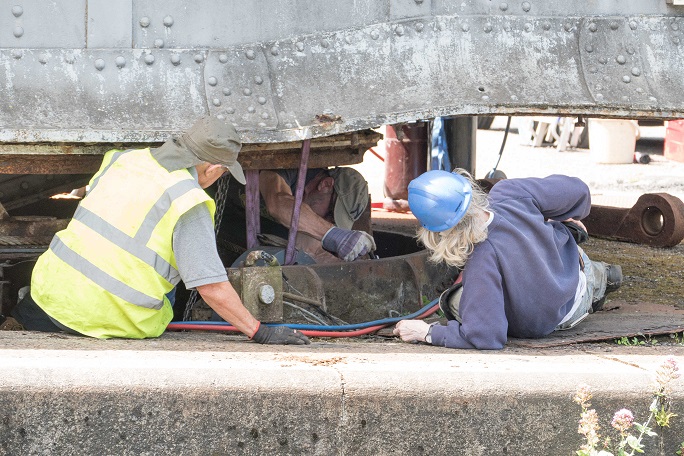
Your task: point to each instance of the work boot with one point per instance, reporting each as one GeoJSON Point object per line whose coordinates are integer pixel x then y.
{"type": "Point", "coordinates": [613, 282]}
{"type": "Point", "coordinates": [10, 324]}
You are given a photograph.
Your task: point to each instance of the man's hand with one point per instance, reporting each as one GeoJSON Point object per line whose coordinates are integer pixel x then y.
{"type": "Point", "coordinates": [281, 335]}
{"type": "Point", "coordinates": [411, 330]}
{"type": "Point", "coordinates": [348, 244]}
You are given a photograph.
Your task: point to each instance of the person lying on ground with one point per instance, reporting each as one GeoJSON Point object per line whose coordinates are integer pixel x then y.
{"type": "Point", "coordinates": [523, 273]}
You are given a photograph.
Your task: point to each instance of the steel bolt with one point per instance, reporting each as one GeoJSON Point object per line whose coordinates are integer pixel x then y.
{"type": "Point", "coordinates": [223, 58]}
{"type": "Point", "coordinates": [300, 46]}
{"type": "Point", "coordinates": [99, 64]}
{"type": "Point", "coordinates": [621, 59]}
{"type": "Point", "coordinates": [216, 102]}
{"type": "Point", "coordinates": [159, 43]}
{"type": "Point", "coordinates": [168, 21]}
{"type": "Point", "coordinates": [227, 91]}
{"type": "Point", "coordinates": [199, 58]}
{"type": "Point", "coordinates": [636, 71]}
{"type": "Point", "coordinates": [120, 61]}
{"type": "Point", "coordinates": [399, 30]}
{"type": "Point", "coordinates": [375, 34]}
{"type": "Point", "coordinates": [144, 21]}
{"type": "Point", "coordinates": [43, 58]}
{"type": "Point", "coordinates": [175, 59]}
{"type": "Point", "coordinates": [17, 53]}
{"type": "Point", "coordinates": [17, 10]}
{"type": "Point", "coordinates": [266, 294]}
{"type": "Point", "coordinates": [250, 54]}
{"type": "Point", "coordinates": [261, 100]}
{"type": "Point", "coordinates": [593, 27]}
{"type": "Point", "coordinates": [503, 6]}
{"type": "Point", "coordinates": [18, 31]}
{"type": "Point", "coordinates": [212, 81]}
{"type": "Point", "coordinates": [258, 80]}
{"type": "Point", "coordinates": [247, 92]}
{"type": "Point", "coordinates": [251, 110]}
{"type": "Point", "coordinates": [526, 6]}
{"type": "Point", "coordinates": [149, 59]}
{"type": "Point", "coordinates": [275, 51]}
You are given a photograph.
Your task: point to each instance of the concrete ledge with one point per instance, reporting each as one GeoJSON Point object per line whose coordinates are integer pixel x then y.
{"type": "Point", "coordinates": [216, 394]}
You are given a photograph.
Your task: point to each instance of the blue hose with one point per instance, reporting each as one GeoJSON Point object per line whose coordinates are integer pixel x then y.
{"type": "Point", "coordinates": [384, 321]}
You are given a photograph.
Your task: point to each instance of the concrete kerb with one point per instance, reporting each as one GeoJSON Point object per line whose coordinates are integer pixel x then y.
{"type": "Point", "coordinates": [217, 394]}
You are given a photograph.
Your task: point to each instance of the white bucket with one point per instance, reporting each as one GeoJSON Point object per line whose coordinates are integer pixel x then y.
{"type": "Point", "coordinates": [612, 140]}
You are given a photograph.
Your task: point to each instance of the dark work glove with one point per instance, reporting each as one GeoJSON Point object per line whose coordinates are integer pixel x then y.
{"type": "Point", "coordinates": [281, 335]}
{"type": "Point", "coordinates": [577, 232]}
{"type": "Point", "coordinates": [347, 244]}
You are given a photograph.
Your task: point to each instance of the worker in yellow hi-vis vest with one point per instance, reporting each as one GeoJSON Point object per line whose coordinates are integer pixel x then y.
{"type": "Point", "coordinates": [144, 225]}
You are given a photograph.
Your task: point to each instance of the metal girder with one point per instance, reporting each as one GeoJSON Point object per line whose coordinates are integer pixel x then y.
{"type": "Point", "coordinates": [287, 71]}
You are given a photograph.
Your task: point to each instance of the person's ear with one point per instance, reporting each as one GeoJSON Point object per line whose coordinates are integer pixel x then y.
{"type": "Point", "coordinates": [326, 185]}
{"type": "Point", "coordinates": [211, 169]}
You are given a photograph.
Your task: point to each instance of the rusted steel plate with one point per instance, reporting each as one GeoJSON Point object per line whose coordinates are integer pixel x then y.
{"type": "Point", "coordinates": [657, 219]}
{"type": "Point", "coordinates": [343, 149]}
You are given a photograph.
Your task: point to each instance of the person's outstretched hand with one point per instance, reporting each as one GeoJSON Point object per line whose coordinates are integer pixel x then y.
{"type": "Point", "coordinates": [281, 335]}
{"type": "Point", "coordinates": [348, 244]}
{"type": "Point", "coordinates": [411, 330]}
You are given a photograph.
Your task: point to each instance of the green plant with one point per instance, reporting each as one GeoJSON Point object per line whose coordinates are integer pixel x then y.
{"type": "Point", "coordinates": [623, 421]}
{"type": "Point", "coordinates": [624, 340]}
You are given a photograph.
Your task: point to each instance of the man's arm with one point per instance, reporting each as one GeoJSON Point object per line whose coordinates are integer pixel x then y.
{"type": "Point", "coordinates": [280, 201]}
{"type": "Point", "coordinates": [221, 297]}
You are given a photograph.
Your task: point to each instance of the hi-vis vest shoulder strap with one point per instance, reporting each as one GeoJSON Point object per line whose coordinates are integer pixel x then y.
{"type": "Point", "coordinates": [107, 274]}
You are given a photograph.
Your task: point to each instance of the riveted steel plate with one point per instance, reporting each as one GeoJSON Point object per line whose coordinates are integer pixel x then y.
{"type": "Point", "coordinates": [43, 24]}
{"type": "Point", "coordinates": [110, 23]}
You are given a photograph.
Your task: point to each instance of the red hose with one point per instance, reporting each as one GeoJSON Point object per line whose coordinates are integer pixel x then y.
{"type": "Point", "coordinates": [306, 332]}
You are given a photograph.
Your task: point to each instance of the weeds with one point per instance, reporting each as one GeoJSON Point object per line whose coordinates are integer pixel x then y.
{"type": "Point", "coordinates": [630, 433]}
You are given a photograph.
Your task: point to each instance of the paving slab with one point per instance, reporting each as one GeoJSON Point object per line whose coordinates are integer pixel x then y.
{"type": "Point", "coordinates": [210, 393]}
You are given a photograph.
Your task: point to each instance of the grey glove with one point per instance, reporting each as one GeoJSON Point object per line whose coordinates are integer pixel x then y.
{"type": "Point", "coordinates": [348, 244]}
{"type": "Point", "coordinates": [281, 335]}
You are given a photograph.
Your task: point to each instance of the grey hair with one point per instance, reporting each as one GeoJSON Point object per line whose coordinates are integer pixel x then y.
{"type": "Point", "coordinates": [454, 245]}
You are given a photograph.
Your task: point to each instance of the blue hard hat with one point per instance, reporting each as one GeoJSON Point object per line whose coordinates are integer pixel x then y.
{"type": "Point", "coordinates": [439, 199]}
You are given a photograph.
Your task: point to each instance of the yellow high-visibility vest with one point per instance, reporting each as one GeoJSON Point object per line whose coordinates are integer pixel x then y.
{"type": "Point", "coordinates": [107, 274]}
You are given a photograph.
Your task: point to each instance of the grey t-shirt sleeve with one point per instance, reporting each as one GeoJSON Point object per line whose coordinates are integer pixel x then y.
{"type": "Point", "coordinates": [194, 245]}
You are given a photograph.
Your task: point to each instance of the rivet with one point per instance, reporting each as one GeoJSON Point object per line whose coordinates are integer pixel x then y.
{"type": "Point", "coordinates": [654, 26]}
{"type": "Point", "coordinates": [251, 109]}
{"type": "Point", "coordinates": [149, 59]}
{"type": "Point", "coordinates": [216, 102]}
{"type": "Point", "coordinates": [626, 79]}
{"type": "Point", "coordinates": [526, 6]}
{"type": "Point", "coordinates": [247, 92]}
{"type": "Point", "coordinates": [325, 43]}
{"type": "Point", "coordinates": [633, 25]}
{"type": "Point", "coordinates": [675, 40]}
{"type": "Point", "coordinates": [589, 48]}
{"type": "Point", "coordinates": [485, 97]}
{"type": "Point", "coordinates": [69, 58]}
{"type": "Point", "coordinates": [567, 26]}
{"type": "Point", "coordinates": [630, 50]}
{"type": "Point", "coordinates": [507, 27]}
{"type": "Point", "coordinates": [465, 27]}
{"type": "Point", "coordinates": [18, 31]}
{"type": "Point", "coordinates": [621, 59]}
{"type": "Point", "coordinates": [175, 59]}
{"type": "Point", "coordinates": [546, 26]}
{"type": "Point", "coordinates": [592, 27]}
{"type": "Point", "coordinates": [300, 46]}
{"type": "Point", "coordinates": [639, 90]}
{"type": "Point", "coordinates": [614, 25]}
{"type": "Point", "coordinates": [144, 21]}
{"type": "Point", "coordinates": [99, 64]}
{"type": "Point", "coordinates": [399, 30]}
{"type": "Point", "coordinates": [261, 100]}
{"type": "Point", "coordinates": [17, 10]}
{"type": "Point", "coordinates": [230, 110]}
{"type": "Point", "coordinates": [227, 91]}
{"type": "Point", "coordinates": [419, 27]}
{"type": "Point", "coordinates": [636, 71]}
{"type": "Point", "coordinates": [221, 117]}
{"type": "Point", "coordinates": [250, 54]}
{"type": "Point", "coordinates": [17, 53]}
{"type": "Point", "coordinates": [674, 26]}
{"type": "Point", "coordinates": [223, 58]}
{"type": "Point", "coordinates": [262, 125]}
{"type": "Point", "coordinates": [168, 21]}
{"type": "Point", "coordinates": [528, 27]}
{"type": "Point", "coordinates": [503, 6]}
{"type": "Point", "coordinates": [264, 115]}
{"type": "Point", "coordinates": [599, 96]}
{"type": "Point", "coordinates": [348, 39]}
{"type": "Point", "coordinates": [159, 43]}
{"type": "Point", "coordinates": [487, 27]}
{"type": "Point", "coordinates": [120, 61]}
{"type": "Point", "coordinates": [375, 34]}
{"type": "Point", "coordinates": [598, 87]}
{"type": "Point", "coordinates": [258, 80]}
{"type": "Point", "coordinates": [199, 58]}
{"type": "Point", "coordinates": [593, 69]}
{"type": "Point", "coordinates": [603, 60]}
{"type": "Point", "coordinates": [275, 50]}
{"type": "Point", "coordinates": [514, 97]}
{"type": "Point", "coordinates": [43, 58]}
{"type": "Point", "coordinates": [212, 81]}
{"type": "Point", "coordinates": [653, 99]}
